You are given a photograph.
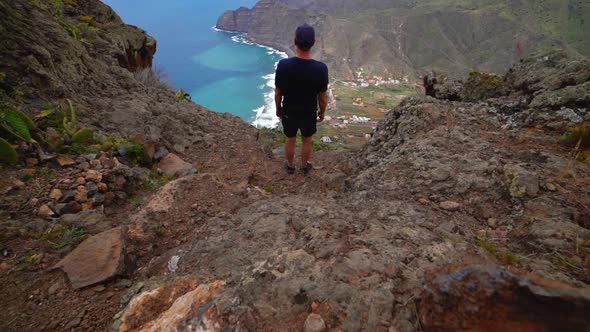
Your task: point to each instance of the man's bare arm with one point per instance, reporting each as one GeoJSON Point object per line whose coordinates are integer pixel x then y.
{"type": "Point", "coordinates": [279, 102]}
{"type": "Point", "coordinates": [323, 104]}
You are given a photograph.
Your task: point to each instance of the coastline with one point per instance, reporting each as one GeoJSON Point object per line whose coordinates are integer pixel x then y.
{"type": "Point", "coordinates": [265, 115]}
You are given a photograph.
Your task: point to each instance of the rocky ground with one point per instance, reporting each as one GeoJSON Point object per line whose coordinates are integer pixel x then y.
{"type": "Point", "coordinates": [471, 214]}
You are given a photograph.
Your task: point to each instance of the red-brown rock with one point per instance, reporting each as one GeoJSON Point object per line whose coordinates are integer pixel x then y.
{"type": "Point", "coordinates": [95, 260]}
{"type": "Point", "coordinates": [173, 165]}
{"type": "Point", "coordinates": [64, 160]}
{"type": "Point", "coordinates": [491, 298]}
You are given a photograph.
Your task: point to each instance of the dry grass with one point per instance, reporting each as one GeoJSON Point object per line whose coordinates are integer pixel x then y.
{"type": "Point", "coordinates": [153, 78]}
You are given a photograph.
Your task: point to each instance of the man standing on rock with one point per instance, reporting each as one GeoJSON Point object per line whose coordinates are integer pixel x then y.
{"type": "Point", "coordinates": [301, 84]}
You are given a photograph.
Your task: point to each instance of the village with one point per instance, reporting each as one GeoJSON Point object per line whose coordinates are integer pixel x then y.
{"type": "Point", "coordinates": [356, 106]}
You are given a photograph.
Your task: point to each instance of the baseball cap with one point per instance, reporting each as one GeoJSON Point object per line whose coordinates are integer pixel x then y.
{"type": "Point", "coordinates": [305, 35]}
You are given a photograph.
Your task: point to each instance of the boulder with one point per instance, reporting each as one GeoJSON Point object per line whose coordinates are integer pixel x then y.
{"type": "Point", "coordinates": [64, 161]}
{"type": "Point", "coordinates": [521, 182]}
{"type": "Point", "coordinates": [491, 298]}
{"type": "Point", "coordinates": [173, 165]}
{"type": "Point", "coordinates": [95, 260]}
{"type": "Point", "coordinates": [314, 323]}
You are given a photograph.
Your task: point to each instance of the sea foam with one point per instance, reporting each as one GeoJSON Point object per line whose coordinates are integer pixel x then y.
{"type": "Point", "coordinates": [265, 115]}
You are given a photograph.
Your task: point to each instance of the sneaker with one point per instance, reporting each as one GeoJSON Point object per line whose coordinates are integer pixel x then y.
{"type": "Point", "coordinates": [307, 168]}
{"type": "Point", "coordinates": [290, 169]}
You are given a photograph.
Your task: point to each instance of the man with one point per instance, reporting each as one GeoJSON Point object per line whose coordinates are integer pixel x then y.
{"type": "Point", "coordinates": [301, 83]}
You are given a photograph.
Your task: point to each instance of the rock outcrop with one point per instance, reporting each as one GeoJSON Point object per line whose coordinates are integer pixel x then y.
{"type": "Point", "coordinates": [490, 298]}
{"type": "Point", "coordinates": [549, 89]}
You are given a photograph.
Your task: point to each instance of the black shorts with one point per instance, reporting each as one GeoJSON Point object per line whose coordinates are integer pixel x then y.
{"type": "Point", "coordinates": [295, 121]}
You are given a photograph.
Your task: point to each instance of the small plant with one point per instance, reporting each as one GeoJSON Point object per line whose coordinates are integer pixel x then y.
{"type": "Point", "coordinates": [492, 248]}
{"type": "Point", "coordinates": [28, 261]}
{"type": "Point", "coordinates": [579, 134]}
{"type": "Point", "coordinates": [78, 149]}
{"type": "Point", "coordinates": [62, 236]}
{"type": "Point", "coordinates": [268, 188]}
{"type": "Point", "coordinates": [26, 177]}
{"type": "Point", "coordinates": [8, 154]}
{"type": "Point", "coordinates": [16, 125]}
{"type": "Point", "coordinates": [183, 95]}
{"type": "Point", "coordinates": [157, 181]}
{"type": "Point", "coordinates": [112, 143]}
{"type": "Point", "coordinates": [567, 261]}
{"type": "Point", "coordinates": [78, 135]}
{"type": "Point", "coordinates": [136, 202]}
{"type": "Point", "coordinates": [45, 172]}
{"type": "Point", "coordinates": [86, 19]}
{"type": "Point", "coordinates": [136, 153]}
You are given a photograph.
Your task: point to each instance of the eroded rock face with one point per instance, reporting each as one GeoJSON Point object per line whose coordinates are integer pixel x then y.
{"type": "Point", "coordinates": [182, 305]}
{"type": "Point", "coordinates": [491, 298]}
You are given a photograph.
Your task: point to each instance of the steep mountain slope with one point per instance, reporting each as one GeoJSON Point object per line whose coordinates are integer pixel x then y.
{"type": "Point", "coordinates": [49, 54]}
{"type": "Point", "coordinates": [401, 37]}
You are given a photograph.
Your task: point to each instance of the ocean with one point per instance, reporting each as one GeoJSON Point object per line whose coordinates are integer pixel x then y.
{"type": "Point", "coordinates": [221, 70]}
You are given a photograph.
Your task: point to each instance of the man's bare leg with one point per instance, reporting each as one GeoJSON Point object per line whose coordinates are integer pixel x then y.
{"type": "Point", "coordinates": [306, 150]}
{"type": "Point", "coordinates": [290, 149]}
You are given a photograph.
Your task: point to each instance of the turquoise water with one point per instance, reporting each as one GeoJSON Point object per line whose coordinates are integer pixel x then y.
{"type": "Point", "coordinates": [220, 70]}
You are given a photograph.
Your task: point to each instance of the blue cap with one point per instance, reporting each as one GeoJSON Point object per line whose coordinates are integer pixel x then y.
{"type": "Point", "coordinates": [305, 36]}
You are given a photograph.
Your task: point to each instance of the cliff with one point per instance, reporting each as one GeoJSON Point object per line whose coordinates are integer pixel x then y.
{"type": "Point", "coordinates": [407, 37]}
{"type": "Point", "coordinates": [81, 50]}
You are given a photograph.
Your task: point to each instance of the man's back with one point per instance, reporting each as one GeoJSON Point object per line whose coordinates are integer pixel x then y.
{"type": "Point", "coordinates": [301, 80]}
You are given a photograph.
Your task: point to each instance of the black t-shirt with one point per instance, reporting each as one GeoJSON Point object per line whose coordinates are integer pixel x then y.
{"type": "Point", "coordinates": [301, 81]}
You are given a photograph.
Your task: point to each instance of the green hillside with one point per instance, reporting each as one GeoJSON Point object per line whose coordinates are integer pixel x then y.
{"type": "Point", "coordinates": [406, 37]}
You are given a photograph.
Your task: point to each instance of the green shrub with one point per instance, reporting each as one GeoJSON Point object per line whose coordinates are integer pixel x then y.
{"type": "Point", "coordinates": [269, 188]}
{"type": "Point", "coordinates": [8, 154]}
{"type": "Point", "coordinates": [137, 153]}
{"type": "Point", "coordinates": [183, 95]}
{"type": "Point", "coordinates": [16, 123]}
{"type": "Point", "coordinates": [26, 177]}
{"type": "Point", "coordinates": [78, 149]}
{"type": "Point", "coordinates": [86, 19]}
{"type": "Point", "coordinates": [112, 143]}
{"type": "Point", "coordinates": [28, 261]}
{"type": "Point", "coordinates": [83, 136]}
{"type": "Point", "coordinates": [62, 236]}
{"type": "Point", "coordinates": [480, 86]}
{"type": "Point", "coordinates": [157, 181]}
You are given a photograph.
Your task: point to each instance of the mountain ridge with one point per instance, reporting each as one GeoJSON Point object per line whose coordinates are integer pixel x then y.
{"type": "Point", "coordinates": [402, 38]}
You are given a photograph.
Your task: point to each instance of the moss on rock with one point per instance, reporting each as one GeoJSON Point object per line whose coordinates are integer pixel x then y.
{"type": "Point", "coordinates": [480, 86]}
